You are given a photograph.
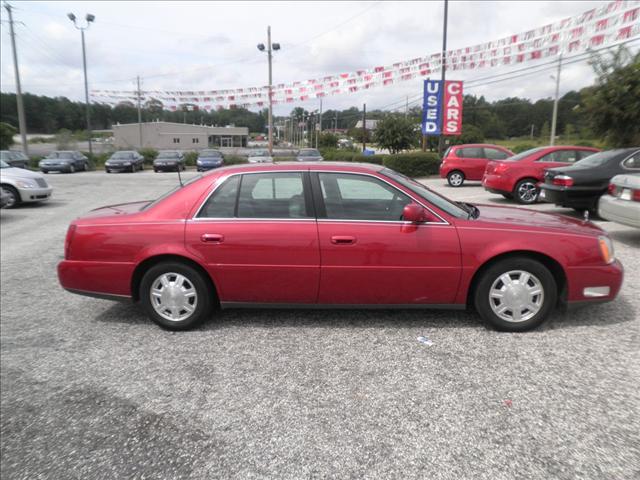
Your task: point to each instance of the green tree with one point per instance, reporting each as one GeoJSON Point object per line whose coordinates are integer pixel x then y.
{"type": "Point", "coordinates": [569, 130]}
{"type": "Point", "coordinates": [6, 135]}
{"type": "Point", "coordinates": [327, 140]}
{"type": "Point", "coordinates": [613, 104]}
{"type": "Point", "coordinates": [545, 131]}
{"type": "Point", "coordinates": [396, 133]}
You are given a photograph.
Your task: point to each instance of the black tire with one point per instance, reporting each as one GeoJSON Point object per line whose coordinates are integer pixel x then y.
{"type": "Point", "coordinates": [508, 196]}
{"type": "Point", "coordinates": [85, 166]}
{"type": "Point", "coordinates": [534, 268]}
{"type": "Point", "coordinates": [107, 170]}
{"type": "Point", "coordinates": [141, 166]}
{"type": "Point", "coordinates": [45, 171]}
{"type": "Point", "coordinates": [204, 295]}
{"type": "Point", "coordinates": [455, 178]}
{"type": "Point", "coordinates": [526, 192]}
{"type": "Point", "coordinates": [14, 199]}
{"type": "Point", "coordinates": [72, 169]}
{"type": "Point", "coordinates": [155, 170]}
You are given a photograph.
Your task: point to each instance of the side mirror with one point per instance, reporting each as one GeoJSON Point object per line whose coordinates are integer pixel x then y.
{"type": "Point", "coordinates": [414, 213]}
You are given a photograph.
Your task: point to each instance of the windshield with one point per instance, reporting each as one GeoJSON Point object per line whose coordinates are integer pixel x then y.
{"type": "Point", "coordinates": [522, 155]}
{"type": "Point", "coordinates": [597, 159]}
{"type": "Point", "coordinates": [210, 153]}
{"type": "Point", "coordinates": [259, 153]}
{"type": "Point", "coordinates": [170, 192]}
{"type": "Point", "coordinates": [4, 164]}
{"type": "Point", "coordinates": [60, 155]}
{"type": "Point", "coordinates": [121, 155]}
{"type": "Point", "coordinates": [432, 197]}
{"type": "Point", "coordinates": [168, 155]}
{"type": "Point", "coordinates": [309, 153]}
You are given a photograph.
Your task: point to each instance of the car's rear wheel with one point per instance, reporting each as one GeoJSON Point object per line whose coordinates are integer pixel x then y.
{"type": "Point", "coordinates": [455, 178]}
{"type": "Point", "coordinates": [516, 294]}
{"type": "Point", "coordinates": [526, 191]}
{"type": "Point", "coordinates": [175, 296]}
{"type": "Point", "coordinates": [72, 169]}
{"type": "Point", "coordinates": [14, 197]}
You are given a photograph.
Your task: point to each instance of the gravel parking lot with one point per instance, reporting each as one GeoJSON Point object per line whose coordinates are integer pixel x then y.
{"type": "Point", "coordinates": [92, 389]}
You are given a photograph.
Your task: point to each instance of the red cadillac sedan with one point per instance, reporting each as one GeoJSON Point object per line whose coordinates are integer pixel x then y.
{"type": "Point", "coordinates": [517, 177]}
{"type": "Point", "coordinates": [333, 235]}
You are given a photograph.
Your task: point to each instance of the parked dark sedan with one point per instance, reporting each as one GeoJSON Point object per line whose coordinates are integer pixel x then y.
{"type": "Point", "coordinates": [581, 185]}
{"type": "Point", "coordinates": [14, 159]}
{"type": "Point", "coordinates": [64, 161]}
{"type": "Point", "coordinates": [169, 161]}
{"type": "Point", "coordinates": [124, 161]}
{"type": "Point", "coordinates": [209, 159]}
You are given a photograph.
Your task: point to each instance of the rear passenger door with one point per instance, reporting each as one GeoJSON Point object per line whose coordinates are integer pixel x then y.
{"type": "Point", "coordinates": [474, 162]}
{"type": "Point", "coordinates": [257, 236]}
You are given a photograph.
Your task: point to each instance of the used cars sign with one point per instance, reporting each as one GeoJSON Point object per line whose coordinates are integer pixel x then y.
{"type": "Point", "coordinates": [432, 123]}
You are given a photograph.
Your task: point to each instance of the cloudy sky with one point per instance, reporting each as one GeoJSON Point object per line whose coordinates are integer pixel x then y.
{"type": "Point", "coordinates": [212, 45]}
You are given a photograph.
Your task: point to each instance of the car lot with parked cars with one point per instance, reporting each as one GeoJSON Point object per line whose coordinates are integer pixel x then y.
{"type": "Point", "coordinates": [275, 390]}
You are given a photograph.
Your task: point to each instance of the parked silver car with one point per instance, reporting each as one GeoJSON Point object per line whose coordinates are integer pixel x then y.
{"type": "Point", "coordinates": [622, 204]}
{"type": "Point", "coordinates": [15, 159]}
{"type": "Point", "coordinates": [66, 161]}
{"type": "Point", "coordinates": [23, 185]}
{"type": "Point", "coordinates": [124, 161]}
{"type": "Point", "coordinates": [309, 155]}
{"type": "Point", "coordinates": [260, 156]}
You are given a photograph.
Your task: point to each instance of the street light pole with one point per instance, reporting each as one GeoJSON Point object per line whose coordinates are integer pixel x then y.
{"type": "Point", "coordinates": [443, 59]}
{"type": "Point", "coordinates": [89, 19]}
{"type": "Point", "coordinates": [270, 48]}
{"type": "Point", "coordinates": [554, 118]}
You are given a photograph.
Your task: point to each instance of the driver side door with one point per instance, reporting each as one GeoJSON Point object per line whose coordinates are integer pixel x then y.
{"type": "Point", "coordinates": [370, 255]}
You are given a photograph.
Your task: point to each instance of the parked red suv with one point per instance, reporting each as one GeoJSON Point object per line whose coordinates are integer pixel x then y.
{"type": "Point", "coordinates": [468, 162]}
{"type": "Point", "coordinates": [516, 177]}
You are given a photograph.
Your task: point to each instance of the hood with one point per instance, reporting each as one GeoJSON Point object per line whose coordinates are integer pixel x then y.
{"type": "Point", "coordinates": [19, 173]}
{"type": "Point", "coordinates": [532, 219]}
{"type": "Point", "coordinates": [56, 160]}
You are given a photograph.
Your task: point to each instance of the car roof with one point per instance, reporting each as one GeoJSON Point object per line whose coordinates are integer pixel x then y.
{"type": "Point", "coordinates": [283, 166]}
{"type": "Point", "coordinates": [479, 145]}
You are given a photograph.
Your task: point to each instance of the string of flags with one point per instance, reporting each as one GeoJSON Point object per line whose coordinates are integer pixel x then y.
{"type": "Point", "coordinates": [616, 21]}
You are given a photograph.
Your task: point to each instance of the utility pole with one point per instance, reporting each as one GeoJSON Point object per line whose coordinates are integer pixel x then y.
{"type": "Point", "coordinates": [270, 48]}
{"type": "Point", "coordinates": [364, 127]}
{"type": "Point", "coordinates": [335, 125]}
{"type": "Point", "coordinates": [443, 69]}
{"type": "Point", "coordinates": [21, 119]}
{"type": "Point", "coordinates": [321, 115]}
{"type": "Point", "coordinates": [532, 127]}
{"type": "Point", "coordinates": [406, 107]}
{"type": "Point", "coordinates": [554, 119]}
{"type": "Point", "coordinates": [139, 113]}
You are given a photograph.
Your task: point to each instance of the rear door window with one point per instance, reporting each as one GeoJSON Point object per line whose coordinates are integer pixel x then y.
{"type": "Point", "coordinates": [495, 154]}
{"type": "Point", "coordinates": [272, 195]}
{"type": "Point", "coordinates": [471, 152]}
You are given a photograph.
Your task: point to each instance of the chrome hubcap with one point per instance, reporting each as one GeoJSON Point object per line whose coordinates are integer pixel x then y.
{"type": "Point", "coordinates": [528, 192]}
{"type": "Point", "coordinates": [456, 179]}
{"type": "Point", "coordinates": [173, 297]}
{"type": "Point", "coordinates": [516, 296]}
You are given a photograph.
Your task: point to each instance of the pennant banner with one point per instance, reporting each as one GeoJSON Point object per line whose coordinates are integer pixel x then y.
{"type": "Point", "coordinates": [614, 22]}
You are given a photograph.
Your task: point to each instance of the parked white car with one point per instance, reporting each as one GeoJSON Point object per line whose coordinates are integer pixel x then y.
{"type": "Point", "coordinates": [622, 204]}
{"type": "Point", "coordinates": [22, 185]}
{"type": "Point", "coordinates": [260, 156]}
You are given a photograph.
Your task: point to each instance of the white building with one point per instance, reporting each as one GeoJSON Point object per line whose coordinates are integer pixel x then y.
{"type": "Point", "coordinates": [177, 136]}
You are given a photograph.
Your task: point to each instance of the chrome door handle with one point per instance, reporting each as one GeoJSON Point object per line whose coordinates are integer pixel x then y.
{"type": "Point", "coordinates": [343, 240]}
{"type": "Point", "coordinates": [212, 238]}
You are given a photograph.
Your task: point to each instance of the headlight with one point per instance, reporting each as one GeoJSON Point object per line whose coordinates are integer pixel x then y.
{"type": "Point", "coordinates": [606, 249]}
{"type": "Point", "coordinates": [26, 184]}
{"type": "Point", "coordinates": [198, 162]}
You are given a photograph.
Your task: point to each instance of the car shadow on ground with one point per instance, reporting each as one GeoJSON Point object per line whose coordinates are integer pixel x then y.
{"type": "Point", "coordinates": [588, 315]}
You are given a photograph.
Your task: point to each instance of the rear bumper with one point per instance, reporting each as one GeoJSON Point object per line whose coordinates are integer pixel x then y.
{"type": "Point", "coordinates": [496, 183]}
{"type": "Point", "coordinates": [626, 212]}
{"type": "Point", "coordinates": [569, 197]}
{"type": "Point", "coordinates": [594, 284]}
{"type": "Point", "coordinates": [96, 279]}
{"type": "Point", "coordinates": [35, 194]}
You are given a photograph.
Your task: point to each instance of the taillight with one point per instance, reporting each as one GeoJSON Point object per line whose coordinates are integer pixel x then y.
{"type": "Point", "coordinates": [500, 168]}
{"type": "Point", "coordinates": [635, 195]}
{"type": "Point", "coordinates": [67, 241]}
{"type": "Point", "coordinates": [612, 189]}
{"type": "Point", "coordinates": [563, 180]}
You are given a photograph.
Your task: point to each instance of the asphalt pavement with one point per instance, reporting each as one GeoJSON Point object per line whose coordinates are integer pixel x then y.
{"type": "Point", "coordinates": [92, 389]}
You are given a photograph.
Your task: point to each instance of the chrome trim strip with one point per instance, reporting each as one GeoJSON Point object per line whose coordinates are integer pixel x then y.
{"type": "Point", "coordinates": [410, 195]}
{"type": "Point", "coordinates": [346, 306]}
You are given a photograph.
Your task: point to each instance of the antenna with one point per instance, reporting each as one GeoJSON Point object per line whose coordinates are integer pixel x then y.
{"type": "Point", "coordinates": [180, 176]}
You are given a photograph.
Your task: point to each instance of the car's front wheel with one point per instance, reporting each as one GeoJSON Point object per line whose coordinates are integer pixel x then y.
{"type": "Point", "coordinates": [175, 296]}
{"type": "Point", "coordinates": [14, 197]}
{"type": "Point", "coordinates": [455, 178]}
{"type": "Point", "coordinates": [516, 294]}
{"type": "Point", "coordinates": [526, 191]}
{"type": "Point", "coordinates": [72, 169]}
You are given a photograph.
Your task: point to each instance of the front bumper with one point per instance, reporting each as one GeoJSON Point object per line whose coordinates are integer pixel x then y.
{"type": "Point", "coordinates": [614, 209]}
{"type": "Point", "coordinates": [594, 284]}
{"type": "Point", "coordinates": [173, 167]}
{"type": "Point", "coordinates": [64, 167]}
{"type": "Point", "coordinates": [207, 166]}
{"type": "Point", "coordinates": [35, 194]}
{"type": "Point", "coordinates": [570, 197]}
{"type": "Point", "coordinates": [496, 184]}
{"type": "Point", "coordinates": [119, 167]}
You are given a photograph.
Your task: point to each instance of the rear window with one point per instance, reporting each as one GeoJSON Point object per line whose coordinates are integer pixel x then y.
{"type": "Point", "coordinates": [523, 155]}
{"type": "Point", "coordinates": [597, 159]}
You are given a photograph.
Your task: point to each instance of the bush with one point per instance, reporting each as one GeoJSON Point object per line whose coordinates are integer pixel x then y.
{"type": "Point", "coordinates": [7, 132]}
{"type": "Point", "coordinates": [333, 155]}
{"type": "Point", "coordinates": [34, 161]}
{"type": "Point", "coordinates": [149, 154]}
{"type": "Point", "coordinates": [190, 158]}
{"type": "Point", "coordinates": [521, 147]}
{"type": "Point", "coordinates": [327, 140]}
{"type": "Point", "coordinates": [417, 164]}
{"type": "Point", "coordinates": [234, 160]}
{"type": "Point", "coordinates": [585, 143]}
{"type": "Point", "coordinates": [96, 159]}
